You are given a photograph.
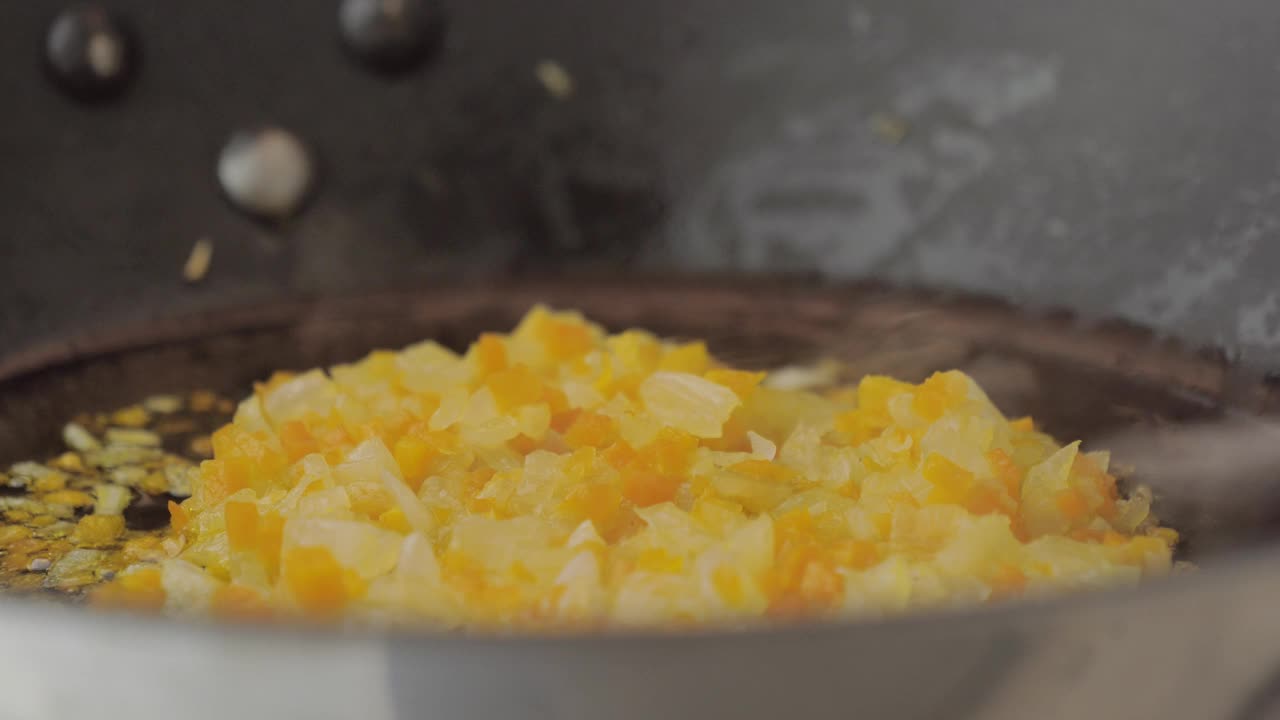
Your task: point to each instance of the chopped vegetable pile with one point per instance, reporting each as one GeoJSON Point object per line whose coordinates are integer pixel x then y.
{"type": "Point", "coordinates": [560, 477]}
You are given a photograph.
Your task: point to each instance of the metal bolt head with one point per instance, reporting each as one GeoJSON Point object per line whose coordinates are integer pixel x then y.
{"type": "Point", "coordinates": [266, 172]}
{"type": "Point", "coordinates": [392, 36]}
{"type": "Point", "coordinates": [92, 54]}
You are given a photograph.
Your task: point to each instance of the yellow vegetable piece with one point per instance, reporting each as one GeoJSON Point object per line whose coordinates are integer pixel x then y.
{"type": "Point", "coordinates": [75, 498]}
{"type": "Point", "coordinates": [97, 530]}
{"type": "Point", "coordinates": [317, 581]}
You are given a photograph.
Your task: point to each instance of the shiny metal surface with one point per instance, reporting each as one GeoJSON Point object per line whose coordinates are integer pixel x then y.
{"type": "Point", "coordinates": [91, 53]}
{"type": "Point", "coordinates": [1202, 646]}
{"type": "Point", "coordinates": [266, 172]}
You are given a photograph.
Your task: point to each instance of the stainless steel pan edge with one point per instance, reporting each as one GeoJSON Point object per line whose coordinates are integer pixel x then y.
{"type": "Point", "coordinates": [1201, 646]}
{"type": "Point", "coordinates": [1198, 646]}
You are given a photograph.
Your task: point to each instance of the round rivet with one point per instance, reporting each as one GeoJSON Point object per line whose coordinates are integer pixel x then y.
{"type": "Point", "coordinates": [267, 172]}
{"type": "Point", "coordinates": [91, 53]}
{"type": "Point", "coordinates": [392, 36]}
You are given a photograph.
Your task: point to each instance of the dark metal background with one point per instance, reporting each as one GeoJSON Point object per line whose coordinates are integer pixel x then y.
{"type": "Point", "coordinates": [1115, 157]}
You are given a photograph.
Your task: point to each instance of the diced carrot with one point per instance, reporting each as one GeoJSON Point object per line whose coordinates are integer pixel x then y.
{"type": "Point", "coordinates": [240, 603]}
{"type": "Point", "coordinates": [316, 580]}
{"type": "Point", "coordinates": [443, 515]}
{"type": "Point", "coordinates": [1072, 504]}
{"type": "Point", "coordinates": [621, 455]}
{"type": "Point", "coordinates": [178, 517]}
{"type": "Point", "coordinates": [657, 560]}
{"type": "Point", "coordinates": [1106, 484]}
{"type": "Point", "coordinates": [985, 500]}
{"type": "Point", "coordinates": [1087, 467]}
{"type": "Point", "coordinates": [855, 554]}
{"type": "Point", "coordinates": [297, 440]}
{"type": "Point", "coordinates": [270, 538]}
{"type": "Point", "coordinates": [515, 386]}
{"type": "Point", "coordinates": [929, 403]}
{"type": "Point", "coordinates": [789, 567]}
{"type": "Point", "coordinates": [562, 421]}
{"type": "Point", "coordinates": [903, 497]}
{"type": "Point", "coordinates": [219, 479]}
{"type": "Point", "coordinates": [1007, 581]}
{"type": "Point", "coordinates": [580, 463]}
{"type": "Point", "coordinates": [394, 519]}
{"type": "Point", "coordinates": [336, 455]}
{"type": "Point", "coordinates": [242, 525]}
{"type": "Point", "coordinates": [521, 573]}
{"type": "Point", "coordinates": [1112, 538]}
{"type": "Point", "coordinates": [138, 590]}
{"type": "Point", "coordinates": [787, 606]}
{"type": "Point", "coordinates": [591, 429]}
{"type": "Point", "coordinates": [415, 456]}
{"type": "Point", "coordinates": [799, 520]}
{"type": "Point", "coordinates": [848, 422]}
{"type": "Point", "coordinates": [1006, 471]}
{"type": "Point", "coordinates": [482, 506]}
{"type": "Point", "coordinates": [563, 339]}
{"type": "Point", "coordinates": [604, 378]}
{"type": "Point", "coordinates": [370, 431]}
{"type": "Point", "coordinates": [742, 382]}
{"type": "Point", "coordinates": [597, 502]}
{"type": "Point", "coordinates": [1085, 534]}
{"type": "Point", "coordinates": [951, 483]}
{"type": "Point", "coordinates": [462, 571]}
{"type": "Point", "coordinates": [860, 425]}
{"type": "Point", "coordinates": [689, 357]}
{"type": "Point", "coordinates": [1023, 424]}
{"type": "Point", "coordinates": [395, 424]}
{"type": "Point", "coordinates": [733, 436]}
{"type": "Point", "coordinates": [522, 444]}
{"type": "Point", "coordinates": [729, 585]}
{"type": "Point", "coordinates": [765, 470]}
{"type": "Point", "coordinates": [354, 585]}
{"type": "Point", "coordinates": [645, 488]}
{"type": "Point", "coordinates": [382, 364]}
{"type": "Point", "coordinates": [142, 579]}
{"type": "Point", "coordinates": [1108, 509]}
{"type": "Point", "coordinates": [875, 391]}
{"type": "Point", "coordinates": [490, 353]}
{"type": "Point", "coordinates": [883, 523]}
{"type": "Point", "coordinates": [1018, 527]}
{"type": "Point", "coordinates": [671, 451]}
{"type": "Point", "coordinates": [850, 490]}
{"type": "Point", "coordinates": [478, 478]}
{"type": "Point", "coordinates": [555, 399]}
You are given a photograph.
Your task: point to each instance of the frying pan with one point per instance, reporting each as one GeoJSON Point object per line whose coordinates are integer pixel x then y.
{"type": "Point", "coordinates": [1106, 157]}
